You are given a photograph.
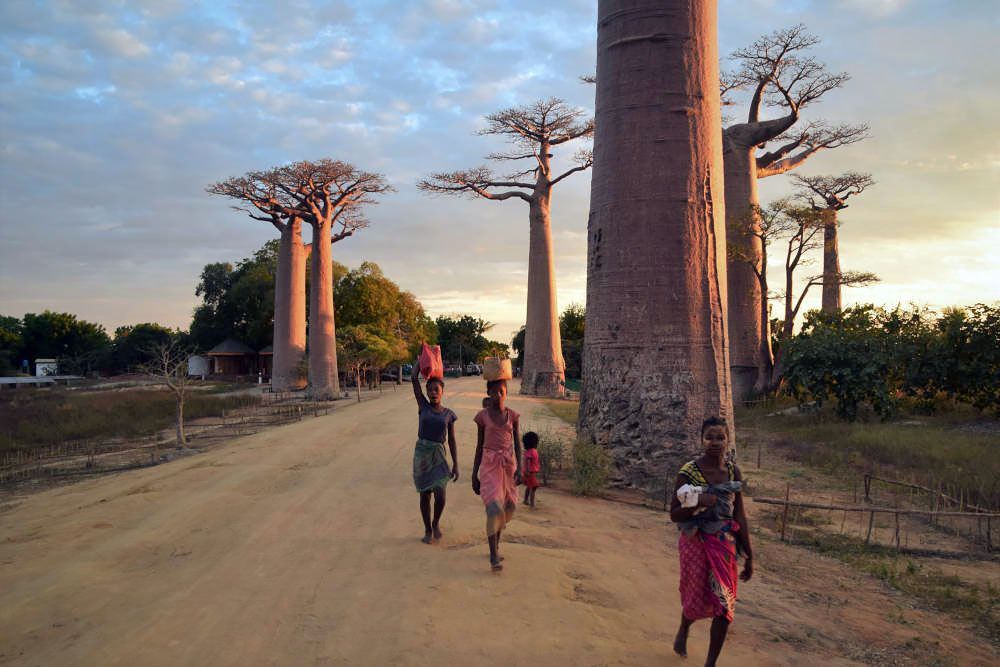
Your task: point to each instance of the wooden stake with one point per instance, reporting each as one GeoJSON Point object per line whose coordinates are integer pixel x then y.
{"type": "Point", "coordinates": [784, 513]}
{"type": "Point", "coordinates": [897, 531]}
{"type": "Point", "coordinates": [871, 523]}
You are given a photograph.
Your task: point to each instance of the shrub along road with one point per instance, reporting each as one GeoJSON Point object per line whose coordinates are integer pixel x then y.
{"type": "Point", "coordinates": [300, 546]}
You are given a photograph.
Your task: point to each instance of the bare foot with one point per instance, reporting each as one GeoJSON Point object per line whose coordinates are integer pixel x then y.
{"type": "Point", "coordinates": [437, 533]}
{"type": "Point", "coordinates": [426, 539]}
{"type": "Point", "coordinates": [496, 565]}
{"type": "Point", "coordinates": [680, 643]}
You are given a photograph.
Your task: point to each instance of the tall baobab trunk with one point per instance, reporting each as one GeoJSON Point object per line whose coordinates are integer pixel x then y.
{"type": "Point", "coordinates": [290, 310]}
{"type": "Point", "coordinates": [324, 383]}
{"type": "Point", "coordinates": [543, 373]}
{"type": "Point", "coordinates": [748, 333]}
{"type": "Point", "coordinates": [655, 360]}
{"type": "Point", "coordinates": [831, 263]}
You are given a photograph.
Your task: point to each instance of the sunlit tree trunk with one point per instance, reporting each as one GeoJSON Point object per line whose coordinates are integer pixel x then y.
{"type": "Point", "coordinates": [831, 263]}
{"type": "Point", "coordinates": [290, 310]}
{"type": "Point", "coordinates": [324, 383]}
{"type": "Point", "coordinates": [543, 373]}
{"type": "Point", "coordinates": [746, 330]}
{"type": "Point", "coordinates": [655, 360]}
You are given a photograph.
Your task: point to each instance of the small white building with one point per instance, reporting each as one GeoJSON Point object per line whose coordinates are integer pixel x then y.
{"type": "Point", "coordinates": [45, 367]}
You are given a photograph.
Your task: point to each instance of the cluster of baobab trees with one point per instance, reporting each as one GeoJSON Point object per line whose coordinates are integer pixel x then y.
{"type": "Point", "coordinates": [677, 318]}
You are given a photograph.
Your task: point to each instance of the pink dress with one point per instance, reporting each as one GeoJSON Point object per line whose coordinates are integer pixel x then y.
{"type": "Point", "coordinates": [496, 470]}
{"type": "Point", "coordinates": [532, 466]}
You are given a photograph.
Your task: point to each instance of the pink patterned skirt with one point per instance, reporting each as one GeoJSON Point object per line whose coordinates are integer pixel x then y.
{"type": "Point", "coordinates": [709, 573]}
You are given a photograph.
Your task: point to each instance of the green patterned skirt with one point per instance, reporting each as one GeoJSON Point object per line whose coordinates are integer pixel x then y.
{"type": "Point", "coordinates": [430, 466]}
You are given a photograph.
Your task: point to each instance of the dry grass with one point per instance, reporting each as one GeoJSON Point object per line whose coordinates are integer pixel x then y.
{"type": "Point", "coordinates": [958, 454]}
{"type": "Point", "coordinates": [567, 411]}
{"type": "Point", "coordinates": [49, 417]}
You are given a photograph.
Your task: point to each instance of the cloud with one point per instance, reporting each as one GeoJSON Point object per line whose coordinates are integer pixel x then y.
{"type": "Point", "coordinates": [117, 115]}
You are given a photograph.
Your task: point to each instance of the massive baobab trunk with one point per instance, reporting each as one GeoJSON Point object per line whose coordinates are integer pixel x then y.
{"type": "Point", "coordinates": [543, 372]}
{"type": "Point", "coordinates": [324, 381]}
{"type": "Point", "coordinates": [831, 264]}
{"type": "Point", "coordinates": [655, 360]}
{"type": "Point", "coordinates": [290, 310]}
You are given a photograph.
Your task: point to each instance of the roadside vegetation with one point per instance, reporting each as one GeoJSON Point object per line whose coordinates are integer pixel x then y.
{"type": "Point", "coordinates": [30, 419]}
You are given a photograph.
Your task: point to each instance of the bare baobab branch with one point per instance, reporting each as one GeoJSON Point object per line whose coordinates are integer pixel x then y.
{"type": "Point", "coordinates": [815, 137]}
{"type": "Point", "coordinates": [474, 182]}
{"type": "Point", "coordinates": [832, 192]}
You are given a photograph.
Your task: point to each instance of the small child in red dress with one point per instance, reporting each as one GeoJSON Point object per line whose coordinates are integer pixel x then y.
{"type": "Point", "coordinates": [532, 466]}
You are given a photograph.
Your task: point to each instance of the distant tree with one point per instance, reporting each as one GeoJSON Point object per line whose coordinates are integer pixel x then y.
{"type": "Point", "coordinates": [365, 349]}
{"type": "Point", "coordinates": [462, 338]}
{"type": "Point", "coordinates": [11, 343]}
{"type": "Point", "coordinates": [133, 345]}
{"type": "Point", "coordinates": [534, 130]}
{"type": "Point", "coordinates": [62, 336]}
{"type": "Point", "coordinates": [800, 227]}
{"type": "Point", "coordinates": [237, 303]}
{"type": "Point", "coordinates": [829, 195]}
{"type": "Point", "coordinates": [571, 328]}
{"type": "Point", "coordinates": [517, 344]}
{"type": "Point", "coordinates": [330, 195]}
{"type": "Point", "coordinates": [367, 297]}
{"type": "Point", "coordinates": [168, 366]}
{"type": "Point", "coordinates": [778, 71]}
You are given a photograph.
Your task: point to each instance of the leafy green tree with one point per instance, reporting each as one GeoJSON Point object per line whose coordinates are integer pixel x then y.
{"type": "Point", "coordinates": [462, 337]}
{"type": "Point", "coordinates": [78, 344]}
{"type": "Point", "coordinates": [133, 345]}
{"type": "Point", "coordinates": [364, 348]}
{"type": "Point", "coordinates": [571, 326]}
{"type": "Point", "coordinates": [365, 297]}
{"type": "Point", "coordinates": [11, 343]}
{"type": "Point", "coordinates": [845, 356]}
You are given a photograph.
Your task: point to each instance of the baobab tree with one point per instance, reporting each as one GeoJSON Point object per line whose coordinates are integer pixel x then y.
{"type": "Point", "coordinates": [655, 358]}
{"type": "Point", "coordinates": [534, 130]}
{"type": "Point", "coordinates": [329, 195]}
{"type": "Point", "coordinates": [828, 195]}
{"type": "Point", "coordinates": [264, 200]}
{"type": "Point", "coordinates": [781, 74]}
{"type": "Point", "coordinates": [801, 227]}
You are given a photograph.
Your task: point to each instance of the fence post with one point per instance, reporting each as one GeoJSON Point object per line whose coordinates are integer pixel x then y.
{"type": "Point", "coordinates": [871, 524]}
{"type": "Point", "coordinates": [784, 513]}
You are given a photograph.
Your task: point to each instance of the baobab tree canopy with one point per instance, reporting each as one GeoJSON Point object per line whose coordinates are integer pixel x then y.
{"type": "Point", "coordinates": [829, 194]}
{"type": "Point", "coordinates": [534, 130]}
{"type": "Point", "coordinates": [655, 358]}
{"type": "Point", "coordinates": [777, 71]}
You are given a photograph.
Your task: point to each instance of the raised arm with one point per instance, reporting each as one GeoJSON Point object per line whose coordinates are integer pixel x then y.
{"type": "Point", "coordinates": [418, 393]}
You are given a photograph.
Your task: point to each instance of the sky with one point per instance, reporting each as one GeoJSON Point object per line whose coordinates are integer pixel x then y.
{"type": "Point", "coordinates": [115, 116]}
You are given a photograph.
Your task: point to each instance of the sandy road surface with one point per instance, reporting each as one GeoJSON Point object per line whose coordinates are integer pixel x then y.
{"type": "Point", "coordinates": [300, 546]}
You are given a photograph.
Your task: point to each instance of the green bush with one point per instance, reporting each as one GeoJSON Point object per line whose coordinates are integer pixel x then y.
{"type": "Point", "coordinates": [875, 356]}
{"type": "Point", "coordinates": [551, 452]}
{"type": "Point", "coordinates": [591, 467]}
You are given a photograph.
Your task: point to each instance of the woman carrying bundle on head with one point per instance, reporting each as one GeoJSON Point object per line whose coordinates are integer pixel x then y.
{"type": "Point", "coordinates": [430, 466]}
{"type": "Point", "coordinates": [497, 468]}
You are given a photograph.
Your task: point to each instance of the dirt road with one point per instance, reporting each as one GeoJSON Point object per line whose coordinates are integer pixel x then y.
{"type": "Point", "coordinates": [300, 546]}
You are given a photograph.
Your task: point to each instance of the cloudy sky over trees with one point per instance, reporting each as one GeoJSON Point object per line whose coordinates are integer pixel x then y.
{"type": "Point", "coordinates": [114, 117]}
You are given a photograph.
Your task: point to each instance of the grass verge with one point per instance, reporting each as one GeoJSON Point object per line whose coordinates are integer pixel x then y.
{"type": "Point", "coordinates": [45, 418]}
{"type": "Point", "coordinates": [928, 585]}
{"type": "Point", "coordinates": [567, 411]}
